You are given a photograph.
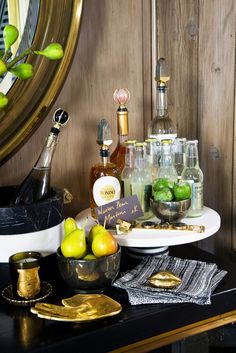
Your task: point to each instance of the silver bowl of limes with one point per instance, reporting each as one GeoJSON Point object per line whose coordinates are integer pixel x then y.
{"type": "Point", "coordinates": [170, 201]}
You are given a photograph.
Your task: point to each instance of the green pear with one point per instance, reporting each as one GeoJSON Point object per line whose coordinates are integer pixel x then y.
{"type": "Point", "coordinates": [3, 100]}
{"type": "Point", "coordinates": [53, 51]}
{"type": "Point", "coordinates": [89, 257]}
{"type": "Point", "coordinates": [74, 244]}
{"type": "Point", "coordinates": [93, 231]}
{"type": "Point", "coordinates": [69, 225]}
{"type": "Point", "coordinates": [22, 71]}
{"type": "Point", "coordinates": [10, 35]}
{"type": "Point", "coordinates": [3, 68]}
{"type": "Point", "coordinates": [104, 243]}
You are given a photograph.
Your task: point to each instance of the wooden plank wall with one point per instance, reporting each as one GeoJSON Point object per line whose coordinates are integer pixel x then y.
{"type": "Point", "coordinates": [198, 40]}
{"type": "Point", "coordinates": [197, 37]}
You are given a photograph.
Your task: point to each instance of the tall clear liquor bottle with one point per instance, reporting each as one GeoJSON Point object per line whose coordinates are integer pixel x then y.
{"type": "Point", "coordinates": [121, 96]}
{"type": "Point", "coordinates": [105, 185]}
{"type": "Point", "coordinates": [128, 168]}
{"type": "Point", "coordinates": [192, 173]}
{"type": "Point", "coordinates": [141, 180]}
{"type": "Point", "coordinates": [162, 126]}
{"type": "Point", "coordinates": [36, 186]}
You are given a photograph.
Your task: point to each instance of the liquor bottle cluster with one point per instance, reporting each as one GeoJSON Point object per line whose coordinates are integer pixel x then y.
{"type": "Point", "coordinates": [137, 165]}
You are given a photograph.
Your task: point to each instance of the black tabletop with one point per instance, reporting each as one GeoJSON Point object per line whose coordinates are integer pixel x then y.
{"type": "Point", "coordinates": [22, 331]}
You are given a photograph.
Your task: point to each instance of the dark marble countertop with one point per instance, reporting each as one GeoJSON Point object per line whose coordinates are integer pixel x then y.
{"type": "Point", "coordinates": [21, 331]}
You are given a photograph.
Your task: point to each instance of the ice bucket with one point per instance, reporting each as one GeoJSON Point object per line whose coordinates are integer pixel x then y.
{"type": "Point", "coordinates": [34, 227]}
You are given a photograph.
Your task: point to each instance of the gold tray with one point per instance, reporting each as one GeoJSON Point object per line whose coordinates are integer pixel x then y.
{"type": "Point", "coordinates": [79, 308]}
{"type": "Point", "coordinates": [7, 295]}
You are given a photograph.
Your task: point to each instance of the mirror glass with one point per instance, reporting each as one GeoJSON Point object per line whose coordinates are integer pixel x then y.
{"type": "Point", "coordinates": [30, 100]}
{"type": "Point", "coordinates": [23, 14]}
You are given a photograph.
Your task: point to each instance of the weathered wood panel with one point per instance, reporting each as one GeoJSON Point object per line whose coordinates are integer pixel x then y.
{"type": "Point", "coordinates": [177, 33]}
{"type": "Point", "coordinates": [216, 109]}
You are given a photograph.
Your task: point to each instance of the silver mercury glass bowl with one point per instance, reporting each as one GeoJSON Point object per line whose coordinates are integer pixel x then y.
{"type": "Point", "coordinates": [89, 276]}
{"type": "Point", "coordinates": [170, 211]}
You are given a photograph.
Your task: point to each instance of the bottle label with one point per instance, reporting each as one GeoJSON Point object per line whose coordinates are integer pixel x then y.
{"type": "Point", "coordinates": [106, 189]}
{"type": "Point", "coordinates": [197, 195]}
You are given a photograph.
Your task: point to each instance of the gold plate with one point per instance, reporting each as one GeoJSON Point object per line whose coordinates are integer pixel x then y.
{"type": "Point", "coordinates": [7, 294]}
{"type": "Point", "coordinates": [164, 279]}
{"type": "Point", "coordinates": [79, 308]}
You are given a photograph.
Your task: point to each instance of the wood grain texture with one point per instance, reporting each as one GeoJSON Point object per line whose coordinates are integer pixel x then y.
{"type": "Point", "coordinates": [216, 110]}
{"type": "Point", "coordinates": [177, 32]}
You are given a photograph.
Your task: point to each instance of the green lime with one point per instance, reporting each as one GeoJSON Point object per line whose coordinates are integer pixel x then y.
{"type": "Point", "coordinates": [162, 183]}
{"type": "Point", "coordinates": [182, 191]}
{"type": "Point", "coordinates": [163, 195]}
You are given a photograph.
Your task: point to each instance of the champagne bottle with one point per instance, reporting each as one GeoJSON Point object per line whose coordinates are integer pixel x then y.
{"type": "Point", "coordinates": [162, 126]}
{"type": "Point", "coordinates": [105, 185]}
{"type": "Point", "coordinates": [121, 96]}
{"type": "Point", "coordinates": [36, 186]}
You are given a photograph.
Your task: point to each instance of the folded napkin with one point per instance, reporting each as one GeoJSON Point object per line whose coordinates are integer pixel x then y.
{"type": "Point", "coordinates": [199, 280]}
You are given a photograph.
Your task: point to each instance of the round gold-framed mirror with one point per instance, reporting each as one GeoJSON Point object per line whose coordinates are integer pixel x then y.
{"type": "Point", "coordinates": [29, 101]}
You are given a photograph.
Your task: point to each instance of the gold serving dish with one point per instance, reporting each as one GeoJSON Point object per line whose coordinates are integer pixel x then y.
{"type": "Point", "coordinates": [79, 308]}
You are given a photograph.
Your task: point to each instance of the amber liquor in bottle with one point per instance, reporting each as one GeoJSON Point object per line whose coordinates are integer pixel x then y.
{"type": "Point", "coordinates": [105, 185]}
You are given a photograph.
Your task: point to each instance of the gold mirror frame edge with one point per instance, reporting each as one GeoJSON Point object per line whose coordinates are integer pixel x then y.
{"type": "Point", "coordinates": [30, 101]}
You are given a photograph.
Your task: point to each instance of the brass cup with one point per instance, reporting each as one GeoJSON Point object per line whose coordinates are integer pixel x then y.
{"type": "Point", "coordinates": [24, 270]}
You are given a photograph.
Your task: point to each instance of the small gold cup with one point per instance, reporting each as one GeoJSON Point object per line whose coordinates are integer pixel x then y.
{"type": "Point", "coordinates": [24, 270]}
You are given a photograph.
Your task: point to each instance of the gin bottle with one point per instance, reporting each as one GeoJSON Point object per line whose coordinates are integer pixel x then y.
{"type": "Point", "coordinates": [162, 127]}
{"type": "Point", "coordinates": [141, 180]}
{"type": "Point", "coordinates": [121, 96]}
{"type": "Point", "coordinates": [193, 174]}
{"type": "Point", "coordinates": [36, 186]}
{"type": "Point", "coordinates": [128, 168]}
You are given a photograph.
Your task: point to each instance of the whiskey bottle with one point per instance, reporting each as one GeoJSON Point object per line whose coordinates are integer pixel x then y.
{"type": "Point", "coordinates": [105, 185]}
{"type": "Point", "coordinates": [192, 173]}
{"type": "Point", "coordinates": [36, 186]}
{"type": "Point", "coordinates": [162, 126]}
{"type": "Point", "coordinates": [128, 168]}
{"type": "Point", "coordinates": [141, 180]}
{"type": "Point", "coordinates": [121, 96]}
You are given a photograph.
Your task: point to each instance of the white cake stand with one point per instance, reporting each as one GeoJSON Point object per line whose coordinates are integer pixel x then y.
{"type": "Point", "coordinates": [156, 241]}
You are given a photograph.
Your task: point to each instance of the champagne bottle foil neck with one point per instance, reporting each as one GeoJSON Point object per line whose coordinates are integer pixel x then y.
{"type": "Point", "coordinates": [122, 122]}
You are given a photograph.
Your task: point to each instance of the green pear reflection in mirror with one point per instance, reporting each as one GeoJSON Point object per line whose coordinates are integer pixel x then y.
{"type": "Point", "coordinates": [23, 71]}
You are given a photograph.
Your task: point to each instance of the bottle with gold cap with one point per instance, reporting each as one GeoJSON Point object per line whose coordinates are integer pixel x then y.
{"type": "Point", "coordinates": [141, 180]}
{"type": "Point", "coordinates": [121, 96]}
{"type": "Point", "coordinates": [162, 126]}
{"type": "Point", "coordinates": [105, 185]}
